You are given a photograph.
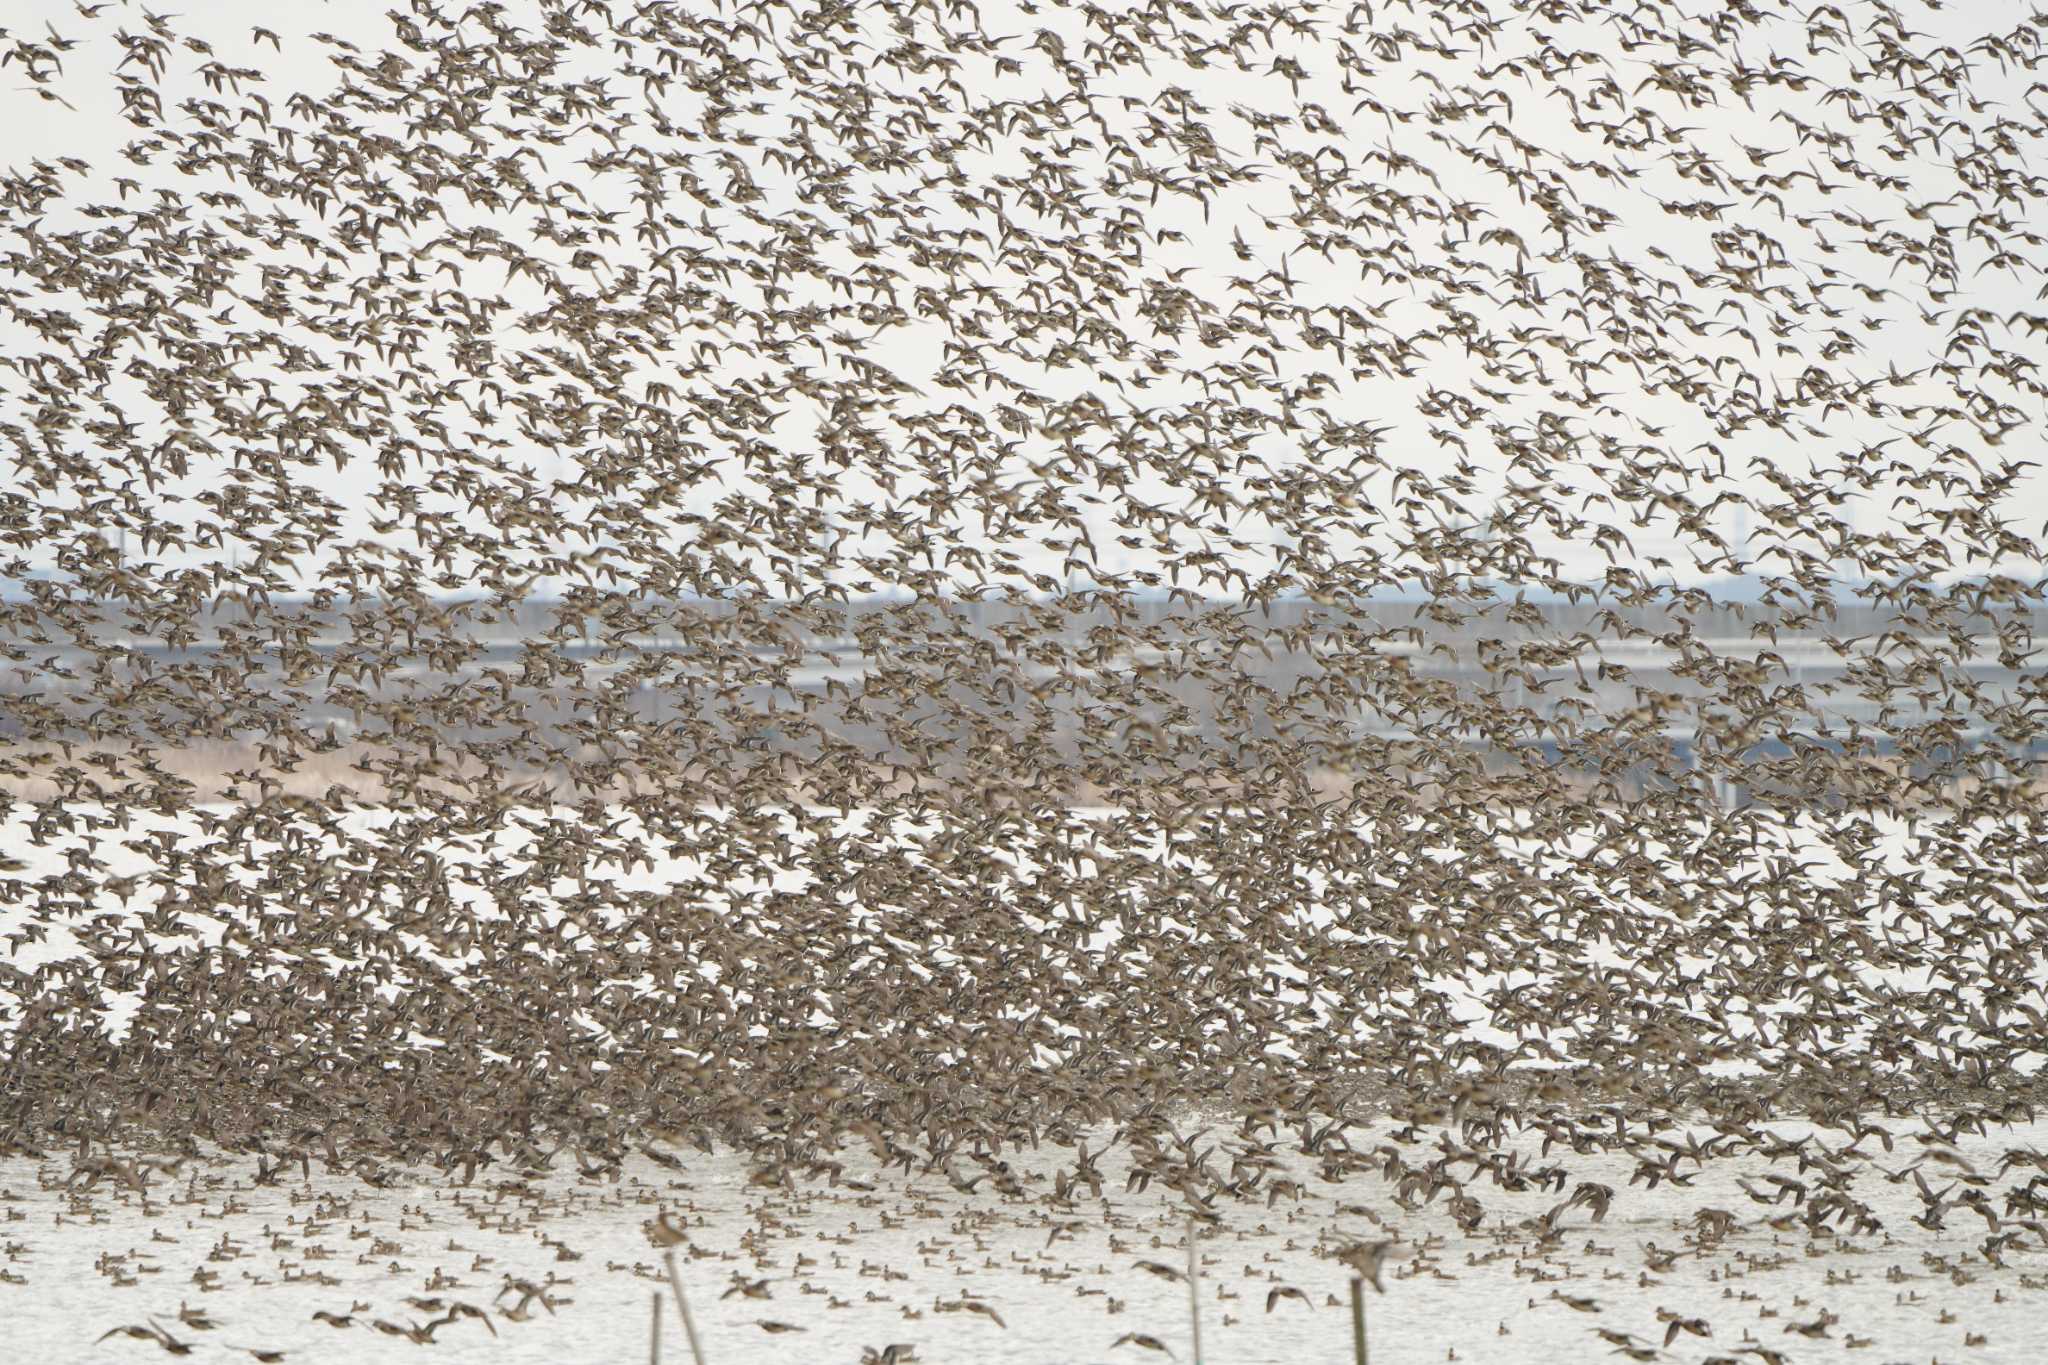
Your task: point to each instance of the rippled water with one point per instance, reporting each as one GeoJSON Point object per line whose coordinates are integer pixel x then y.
{"type": "Point", "coordinates": [865, 1269]}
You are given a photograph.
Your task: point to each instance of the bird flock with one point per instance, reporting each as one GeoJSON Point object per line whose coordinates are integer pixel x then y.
{"type": "Point", "coordinates": [740, 337]}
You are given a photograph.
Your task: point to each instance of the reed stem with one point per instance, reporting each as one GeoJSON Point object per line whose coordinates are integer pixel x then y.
{"type": "Point", "coordinates": [1358, 1319]}
{"type": "Point", "coordinates": [675, 1282]}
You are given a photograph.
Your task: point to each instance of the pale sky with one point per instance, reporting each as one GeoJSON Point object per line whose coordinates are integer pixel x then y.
{"type": "Point", "coordinates": [1895, 325]}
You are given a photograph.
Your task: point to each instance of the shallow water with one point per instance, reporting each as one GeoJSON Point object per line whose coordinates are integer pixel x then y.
{"type": "Point", "coordinates": [851, 1268]}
